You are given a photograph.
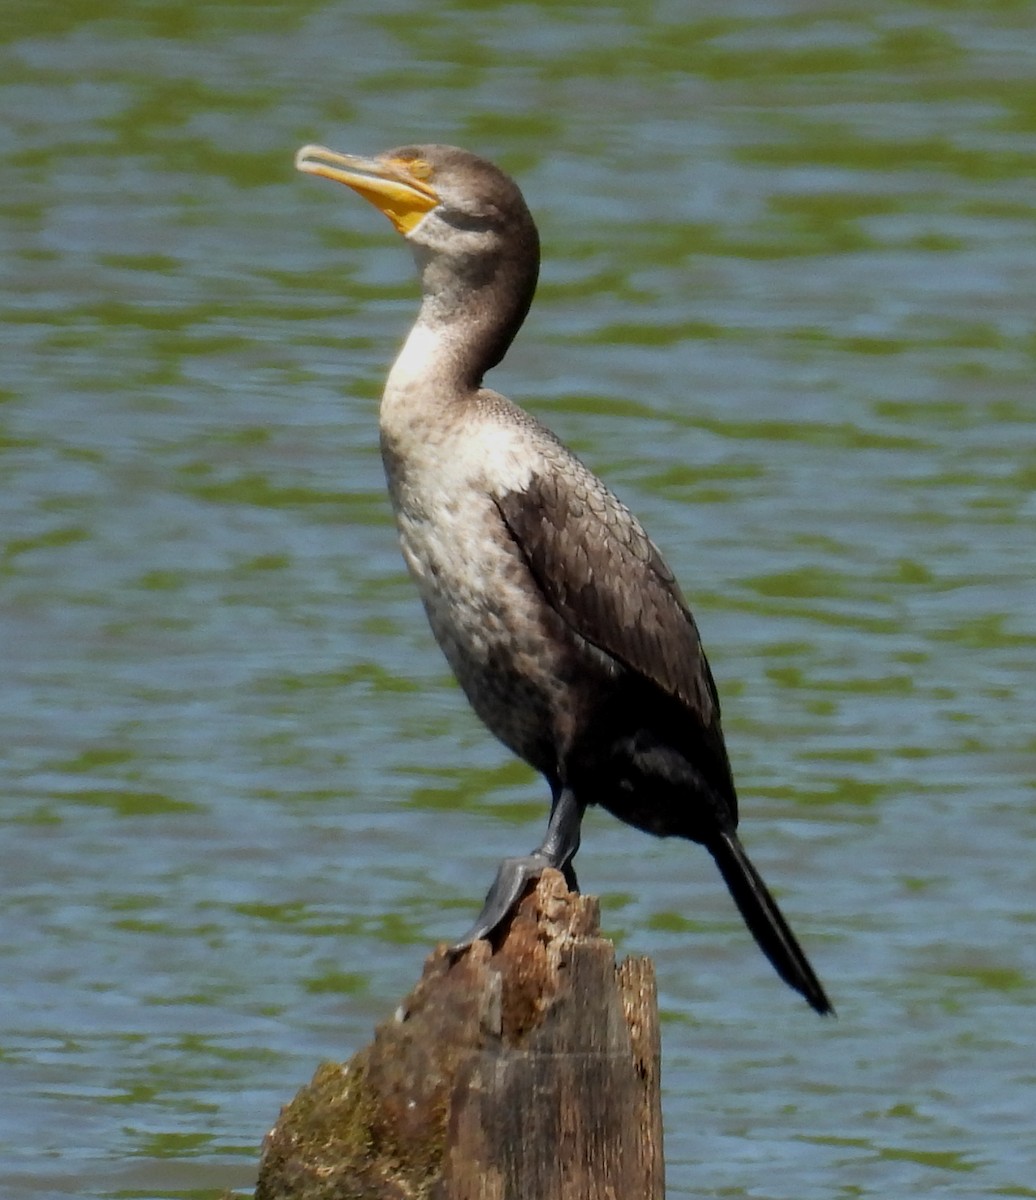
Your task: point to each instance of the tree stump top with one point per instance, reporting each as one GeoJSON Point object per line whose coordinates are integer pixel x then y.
{"type": "Point", "coordinates": [528, 1072]}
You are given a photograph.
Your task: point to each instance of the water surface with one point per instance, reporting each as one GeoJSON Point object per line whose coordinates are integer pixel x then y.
{"type": "Point", "coordinates": [786, 309]}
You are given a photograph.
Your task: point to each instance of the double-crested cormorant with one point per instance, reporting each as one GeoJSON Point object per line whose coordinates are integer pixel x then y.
{"type": "Point", "coordinates": [562, 623]}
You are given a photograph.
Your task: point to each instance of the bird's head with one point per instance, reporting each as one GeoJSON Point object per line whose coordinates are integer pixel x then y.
{"type": "Point", "coordinates": [438, 197]}
{"type": "Point", "coordinates": [473, 237]}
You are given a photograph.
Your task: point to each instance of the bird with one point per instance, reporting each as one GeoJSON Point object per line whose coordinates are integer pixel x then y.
{"type": "Point", "coordinates": [562, 622]}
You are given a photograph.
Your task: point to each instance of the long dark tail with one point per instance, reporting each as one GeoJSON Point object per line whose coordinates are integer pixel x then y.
{"type": "Point", "coordinates": [764, 919]}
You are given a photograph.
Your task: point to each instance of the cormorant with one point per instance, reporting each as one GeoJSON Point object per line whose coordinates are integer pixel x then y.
{"type": "Point", "coordinates": [560, 619]}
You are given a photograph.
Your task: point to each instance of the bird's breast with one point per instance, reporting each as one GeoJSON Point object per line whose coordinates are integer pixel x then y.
{"type": "Point", "coordinates": [510, 651]}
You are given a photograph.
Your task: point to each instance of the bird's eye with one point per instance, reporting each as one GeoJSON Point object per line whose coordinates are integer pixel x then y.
{"type": "Point", "coordinates": [419, 168]}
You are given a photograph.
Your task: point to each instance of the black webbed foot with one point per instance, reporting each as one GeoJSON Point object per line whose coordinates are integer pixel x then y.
{"type": "Point", "coordinates": [558, 850]}
{"type": "Point", "coordinates": [502, 898]}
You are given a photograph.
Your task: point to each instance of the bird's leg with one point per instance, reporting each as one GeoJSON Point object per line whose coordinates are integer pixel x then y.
{"type": "Point", "coordinates": [557, 850]}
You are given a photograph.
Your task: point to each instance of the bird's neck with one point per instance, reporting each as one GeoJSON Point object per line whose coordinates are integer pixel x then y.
{"type": "Point", "coordinates": [467, 321]}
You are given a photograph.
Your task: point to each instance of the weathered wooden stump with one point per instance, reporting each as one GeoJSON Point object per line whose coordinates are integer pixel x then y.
{"type": "Point", "coordinates": [531, 1073]}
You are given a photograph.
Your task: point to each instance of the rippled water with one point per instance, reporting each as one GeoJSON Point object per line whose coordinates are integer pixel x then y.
{"type": "Point", "coordinates": [787, 310]}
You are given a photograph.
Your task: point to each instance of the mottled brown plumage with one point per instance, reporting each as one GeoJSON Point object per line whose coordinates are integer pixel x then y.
{"type": "Point", "coordinates": [558, 615]}
{"type": "Point", "coordinates": [597, 569]}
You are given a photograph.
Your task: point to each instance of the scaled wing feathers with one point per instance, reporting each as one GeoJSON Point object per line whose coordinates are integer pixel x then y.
{"type": "Point", "coordinates": [599, 570]}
